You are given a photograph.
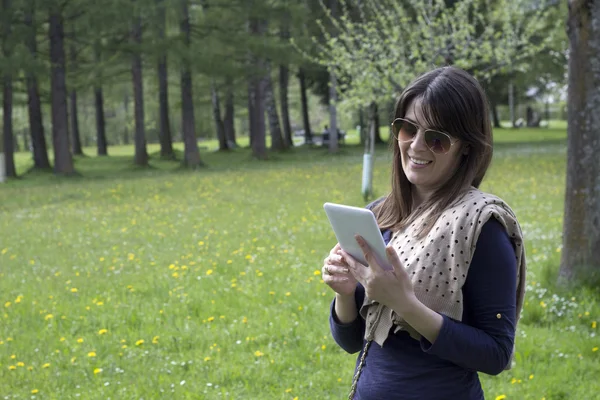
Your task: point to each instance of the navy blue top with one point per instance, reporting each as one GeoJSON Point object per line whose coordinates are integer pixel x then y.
{"type": "Point", "coordinates": [407, 369]}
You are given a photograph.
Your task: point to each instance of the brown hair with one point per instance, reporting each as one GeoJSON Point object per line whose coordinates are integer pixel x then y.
{"type": "Point", "coordinates": [453, 101]}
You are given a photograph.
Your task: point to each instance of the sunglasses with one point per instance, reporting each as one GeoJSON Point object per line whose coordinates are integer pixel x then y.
{"type": "Point", "coordinates": [406, 131]}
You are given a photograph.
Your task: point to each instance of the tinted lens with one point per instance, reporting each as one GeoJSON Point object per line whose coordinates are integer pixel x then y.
{"type": "Point", "coordinates": [404, 130]}
{"type": "Point", "coordinates": [437, 142]}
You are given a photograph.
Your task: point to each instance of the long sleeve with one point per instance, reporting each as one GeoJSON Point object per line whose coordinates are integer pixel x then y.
{"type": "Point", "coordinates": [484, 340]}
{"type": "Point", "coordinates": [349, 336]}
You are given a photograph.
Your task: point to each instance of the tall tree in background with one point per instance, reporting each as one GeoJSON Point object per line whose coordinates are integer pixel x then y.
{"type": "Point", "coordinates": [277, 142]}
{"type": "Point", "coordinates": [229, 117]}
{"type": "Point", "coordinates": [191, 157]}
{"type": "Point", "coordinates": [7, 98]}
{"type": "Point", "coordinates": [141, 154]}
{"type": "Point", "coordinates": [219, 125]}
{"type": "Point", "coordinates": [36, 126]}
{"type": "Point", "coordinates": [63, 160]}
{"type": "Point", "coordinates": [77, 149]}
{"type": "Point", "coordinates": [101, 142]}
{"type": "Point", "coordinates": [164, 135]}
{"type": "Point", "coordinates": [308, 139]}
{"type": "Point", "coordinates": [256, 104]}
{"type": "Point", "coordinates": [581, 229]}
{"type": "Point", "coordinates": [284, 79]}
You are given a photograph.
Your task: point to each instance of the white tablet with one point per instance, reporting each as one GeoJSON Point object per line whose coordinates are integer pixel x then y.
{"type": "Point", "coordinates": [348, 221]}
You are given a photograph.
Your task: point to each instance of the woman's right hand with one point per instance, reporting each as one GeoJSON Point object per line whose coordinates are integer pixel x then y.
{"type": "Point", "coordinates": [336, 274]}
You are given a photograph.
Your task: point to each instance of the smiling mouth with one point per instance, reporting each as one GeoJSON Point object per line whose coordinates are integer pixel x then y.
{"type": "Point", "coordinates": [419, 162]}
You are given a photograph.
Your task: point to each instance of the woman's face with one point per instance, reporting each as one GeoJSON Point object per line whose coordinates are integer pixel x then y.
{"type": "Point", "coordinates": [427, 170]}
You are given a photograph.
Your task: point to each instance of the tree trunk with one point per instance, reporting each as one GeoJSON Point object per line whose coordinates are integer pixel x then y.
{"type": "Point", "coordinates": [191, 152]}
{"type": "Point", "coordinates": [495, 118]}
{"type": "Point", "coordinates": [277, 142]}
{"type": "Point", "coordinates": [284, 79]}
{"type": "Point", "coordinates": [166, 141]}
{"type": "Point", "coordinates": [102, 146]}
{"type": "Point", "coordinates": [77, 150]}
{"type": "Point", "coordinates": [333, 137]}
{"type": "Point", "coordinates": [375, 122]}
{"type": "Point", "coordinates": [141, 154]}
{"type": "Point", "coordinates": [581, 225]}
{"type": "Point", "coordinates": [8, 141]}
{"type": "Point", "coordinates": [126, 124]}
{"type": "Point", "coordinates": [308, 139]}
{"type": "Point", "coordinates": [63, 160]}
{"type": "Point", "coordinates": [229, 118]}
{"type": "Point", "coordinates": [216, 108]}
{"type": "Point", "coordinates": [36, 126]}
{"type": "Point", "coordinates": [256, 105]}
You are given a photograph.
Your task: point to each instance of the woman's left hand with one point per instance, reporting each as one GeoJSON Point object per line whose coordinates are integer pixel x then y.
{"type": "Point", "coordinates": [392, 288]}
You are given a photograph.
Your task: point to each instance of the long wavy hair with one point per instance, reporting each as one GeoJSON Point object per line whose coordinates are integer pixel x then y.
{"type": "Point", "coordinates": [451, 100]}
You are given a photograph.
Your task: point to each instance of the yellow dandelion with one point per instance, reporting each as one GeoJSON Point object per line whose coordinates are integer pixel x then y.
{"type": "Point", "coordinates": [587, 313]}
{"type": "Point", "coordinates": [47, 365]}
{"type": "Point", "coordinates": [74, 290]}
{"type": "Point", "coordinates": [92, 354]}
{"type": "Point", "coordinates": [139, 342]}
{"type": "Point", "coordinates": [12, 357]}
{"type": "Point", "coordinates": [62, 339]}
{"type": "Point", "coordinates": [20, 364]}
{"type": "Point", "coordinates": [102, 331]}
{"type": "Point", "coordinates": [97, 371]}
{"type": "Point", "coordinates": [100, 303]}
{"type": "Point", "coordinates": [288, 390]}
{"type": "Point", "coordinates": [80, 340]}
{"type": "Point", "coordinates": [323, 347]}
{"type": "Point", "coordinates": [531, 377]}
{"type": "Point", "coordinates": [73, 360]}
{"type": "Point", "coordinates": [34, 391]}
{"type": "Point", "coordinates": [501, 397]}
{"type": "Point", "coordinates": [207, 358]}
{"type": "Point", "coordinates": [317, 272]}
{"type": "Point", "coordinates": [595, 349]}
{"type": "Point", "coordinates": [244, 320]}
{"type": "Point", "coordinates": [4, 251]}
{"type": "Point", "coordinates": [9, 339]}
{"type": "Point", "coordinates": [229, 261]}
{"type": "Point", "coordinates": [513, 381]}
{"type": "Point", "coordinates": [271, 292]}
{"type": "Point", "coordinates": [155, 339]}
{"type": "Point", "coordinates": [594, 325]}
{"type": "Point", "coordinates": [30, 368]}
{"type": "Point", "coordinates": [258, 353]}
{"type": "Point", "coordinates": [209, 272]}
{"type": "Point", "coordinates": [12, 367]}
{"type": "Point", "coordinates": [295, 398]}
{"type": "Point", "coordinates": [211, 319]}
{"type": "Point", "coordinates": [542, 304]}
{"type": "Point", "coordinates": [7, 304]}
{"type": "Point", "coordinates": [49, 316]}
{"type": "Point", "coordinates": [124, 346]}
{"type": "Point", "coordinates": [288, 294]}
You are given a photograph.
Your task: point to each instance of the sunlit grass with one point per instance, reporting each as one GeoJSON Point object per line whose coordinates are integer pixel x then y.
{"type": "Point", "coordinates": [136, 284]}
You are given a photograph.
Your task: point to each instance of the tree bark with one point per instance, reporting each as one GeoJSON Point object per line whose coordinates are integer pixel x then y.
{"type": "Point", "coordinates": [165, 137]}
{"type": "Point", "coordinates": [308, 139]}
{"type": "Point", "coordinates": [63, 160]}
{"type": "Point", "coordinates": [36, 126]}
{"type": "Point", "coordinates": [495, 118]}
{"type": "Point", "coordinates": [101, 143]}
{"type": "Point", "coordinates": [284, 79]}
{"type": "Point", "coordinates": [581, 227]}
{"type": "Point", "coordinates": [126, 124]}
{"type": "Point", "coordinates": [141, 154]}
{"type": "Point", "coordinates": [277, 142]}
{"type": "Point", "coordinates": [8, 142]}
{"type": "Point", "coordinates": [191, 151]}
{"type": "Point", "coordinates": [256, 104]}
{"type": "Point", "coordinates": [229, 118]}
{"type": "Point", "coordinates": [216, 109]}
{"type": "Point", "coordinates": [375, 122]}
{"type": "Point", "coordinates": [77, 150]}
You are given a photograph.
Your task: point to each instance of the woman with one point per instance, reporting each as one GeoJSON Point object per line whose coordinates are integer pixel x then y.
{"type": "Point", "coordinates": [450, 307]}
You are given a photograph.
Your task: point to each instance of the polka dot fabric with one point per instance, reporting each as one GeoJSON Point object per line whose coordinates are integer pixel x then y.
{"type": "Point", "coordinates": [438, 265]}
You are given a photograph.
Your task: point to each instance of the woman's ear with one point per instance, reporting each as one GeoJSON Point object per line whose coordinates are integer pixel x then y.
{"type": "Point", "coordinates": [466, 149]}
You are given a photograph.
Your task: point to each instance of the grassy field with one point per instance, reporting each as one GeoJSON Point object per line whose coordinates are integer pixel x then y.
{"type": "Point", "coordinates": [163, 283]}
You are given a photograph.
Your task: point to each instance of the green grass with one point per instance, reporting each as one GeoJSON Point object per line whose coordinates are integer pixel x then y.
{"type": "Point", "coordinates": [216, 271]}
